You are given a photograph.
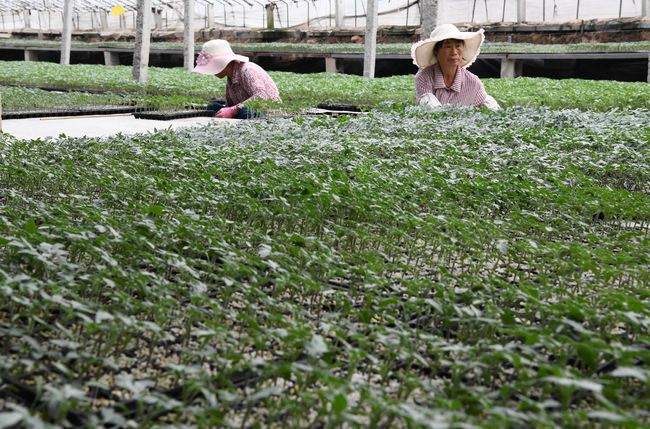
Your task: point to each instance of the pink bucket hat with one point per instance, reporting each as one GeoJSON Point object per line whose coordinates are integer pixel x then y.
{"type": "Point", "coordinates": [215, 56]}
{"type": "Point", "coordinates": [422, 51]}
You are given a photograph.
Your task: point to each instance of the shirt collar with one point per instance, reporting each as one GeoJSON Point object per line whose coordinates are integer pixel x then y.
{"type": "Point", "coordinates": [439, 80]}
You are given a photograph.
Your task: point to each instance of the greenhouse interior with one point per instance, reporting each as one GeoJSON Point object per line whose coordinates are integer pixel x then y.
{"type": "Point", "coordinates": [245, 214]}
{"type": "Point", "coordinates": [31, 30]}
{"type": "Point", "coordinates": [306, 14]}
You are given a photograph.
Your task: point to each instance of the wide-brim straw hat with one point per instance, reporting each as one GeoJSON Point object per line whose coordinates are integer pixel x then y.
{"type": "Point", "coordinates": [422, 51]}
{"type": "Point", "coordinates": [215, 56]}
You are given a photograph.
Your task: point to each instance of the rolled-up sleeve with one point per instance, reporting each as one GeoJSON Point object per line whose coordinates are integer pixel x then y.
{"type": "Point", "coordinates": [423, 83]}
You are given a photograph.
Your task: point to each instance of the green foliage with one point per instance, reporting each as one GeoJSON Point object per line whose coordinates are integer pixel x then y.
{"type": "Point", "coordinates": [21, 98]}
{"type": "Point", "coordinates": [175, 88]}
{"type": "Point", "coordinates": [498, 47]}
{"type": "Point", "coordinates": [599, 95]}
{"type": "Point", "coordinates": [387, 48]}
{"type": "Point", "coordinates": [401, 269]}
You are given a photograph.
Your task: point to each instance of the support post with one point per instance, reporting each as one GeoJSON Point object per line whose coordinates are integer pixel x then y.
{"type": "Point", "coordinates": [339, 14]}
{"type": "Point", "coordinates": [429, 12]}
{"type": "Point", "coordinates": [270, 20]}
{"type": "Point", "coordinates": [142, 41]}
{"type": "Point", "coordinates": [645, 8]}
{"type": "Point", "coordinates": [157, 18]}
{"type": "Point", "coordinates": [209, 15]}
{"type": "Point", "coordinates": [188, 35]}
{"type": "Point", "coordinates": [111, 58]}
{"type": "Point", "coordinates": [66, 35]}
{"type": "Point", "coordinates": [27, 18]}
{"type": "Point", "coordinates": [103, 19]}
{"type": "Point", "coordinates": [510, 68]}
{"type": "Point", "coordinates": [620, 8]}
{"type": "Point", "coordinates": [330, 65]}
{"type": "Point", "coordinates": [370, 49]}
{"type": "Point", "coordinates": [31, 55]}
{"type": "Point", "coordinates": [521, 11]}
{"type": "Point", "coordinates": [648, 68]}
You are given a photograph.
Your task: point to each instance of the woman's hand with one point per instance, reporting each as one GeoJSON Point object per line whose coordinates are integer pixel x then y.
{"type": "Point", "coordinates": [430, 101]}
{"type": "Point", "coordinates": [227, 112]}
{"type": "Point", "coordinates": [491, 103]}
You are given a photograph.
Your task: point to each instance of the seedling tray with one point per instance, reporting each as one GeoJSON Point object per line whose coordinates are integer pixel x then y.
{"type": "Point", "coordinates": [99, 110]}
{"type": "Point", "coordinates": [168, 116]}
{"type": "Point", "coordinates": [320, 111]}
{"type": "Point", "coordinates": [339, 107]}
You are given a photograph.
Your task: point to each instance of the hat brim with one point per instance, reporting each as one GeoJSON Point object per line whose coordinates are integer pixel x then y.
{"type": "Point", "coordinates": [422, 51]}
{"type": "Point", "coordinates": [217, 64]}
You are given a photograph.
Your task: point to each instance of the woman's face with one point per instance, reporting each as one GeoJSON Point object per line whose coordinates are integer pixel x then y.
{"type": "Point", "coordinates": [450, 52]}
{"type": "Point", "coordinates": [225, 72]}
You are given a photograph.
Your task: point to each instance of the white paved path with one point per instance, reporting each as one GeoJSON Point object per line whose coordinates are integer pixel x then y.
{"type": "Point", "coordinates": [95, 125]}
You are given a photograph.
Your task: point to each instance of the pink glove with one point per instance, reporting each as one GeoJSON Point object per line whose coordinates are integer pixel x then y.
{"type": "Point", "coordinates": [227, 112]}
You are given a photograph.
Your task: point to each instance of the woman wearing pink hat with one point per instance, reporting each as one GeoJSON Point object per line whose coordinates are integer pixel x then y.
{"type": "Point", "coordinates": [246, 80]}
{"type": "Point", "coordinates": [443, 77]}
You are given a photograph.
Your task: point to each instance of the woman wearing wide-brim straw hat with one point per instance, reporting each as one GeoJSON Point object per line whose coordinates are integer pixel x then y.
{"type": "Point", "coordinates": [443, 60]}
{"type": "Point", "coordinates": [246, 80]}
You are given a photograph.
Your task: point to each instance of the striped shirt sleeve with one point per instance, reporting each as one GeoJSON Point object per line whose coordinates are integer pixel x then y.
{"type": "Point", "coordinates": [481, 95]}
{"type": "Point", "coordinates": [423, 83]}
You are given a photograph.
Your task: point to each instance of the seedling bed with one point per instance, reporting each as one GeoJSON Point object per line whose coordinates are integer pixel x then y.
{"type": "Point", "coordinates": [60, 88]}
{"type": "Point", "coordinates": [175, 89]}
{"type": "Point", "coordinates": [391, 269]}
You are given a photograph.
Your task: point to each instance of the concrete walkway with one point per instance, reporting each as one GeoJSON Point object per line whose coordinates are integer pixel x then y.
{"type": "Point", "coordinates": [96, 125]}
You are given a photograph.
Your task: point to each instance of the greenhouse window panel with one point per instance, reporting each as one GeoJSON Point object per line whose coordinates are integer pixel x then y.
{"type": "Point", "coordinates": [325, 14]}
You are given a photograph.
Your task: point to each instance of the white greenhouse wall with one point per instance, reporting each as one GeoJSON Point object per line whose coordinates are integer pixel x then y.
{"type": "Point", "coordinates": [320, 14]}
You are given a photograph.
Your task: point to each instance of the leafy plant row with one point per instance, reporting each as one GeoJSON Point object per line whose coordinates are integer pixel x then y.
{"type": "Point", "coordinates": [16, 98]}
{"type": "Point", "coordinates": [401, 269]}
{"type": "Point", "coordinates": [388, 48]}
{"type": "Point", "coordinates": [174, 88]}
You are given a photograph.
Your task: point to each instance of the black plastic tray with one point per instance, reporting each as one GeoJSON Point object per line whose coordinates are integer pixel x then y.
{"type": "Point", "coordinates": [99, 110]}
{"type": "Point", "coordinates": [168, 116]}
{"type": "Point", "coordinates": [339, 107]}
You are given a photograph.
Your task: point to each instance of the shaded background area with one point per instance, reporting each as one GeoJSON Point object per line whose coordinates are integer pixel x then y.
{"type": "Point", "coordinates": [626, 70]}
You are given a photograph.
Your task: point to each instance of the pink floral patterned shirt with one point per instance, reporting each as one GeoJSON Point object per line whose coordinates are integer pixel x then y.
{"type": "Point", "coordinates": [250, 81]}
